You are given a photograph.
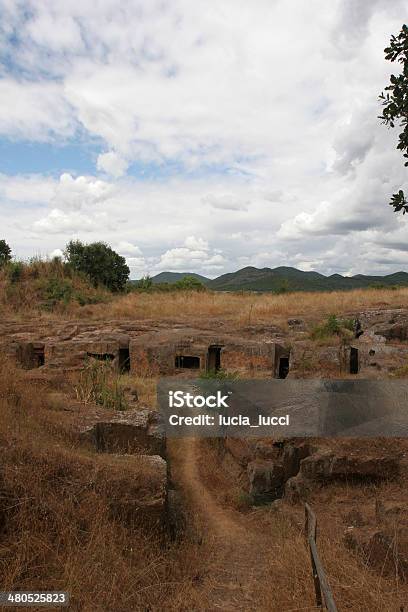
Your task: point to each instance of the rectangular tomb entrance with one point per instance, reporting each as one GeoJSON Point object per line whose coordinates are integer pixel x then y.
{"type": "Point", "coordinates": [214, 358]}
{"type": "Point", "coordinates": [283, 367]}
{"type": "Point", "coordinates": [187, 362]}
{"type": "Point", "coordinates": [124, 360]}
{"type": "Point", "coordinates": [354, 367]}
{"type": "Point", "coordinates": [32, 355]}
{"type": "Point", "coordinates": [281, 361]}
{"type": "Point", "coordinates": [39, 356]}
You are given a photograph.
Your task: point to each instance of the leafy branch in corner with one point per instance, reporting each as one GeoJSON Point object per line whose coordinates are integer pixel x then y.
{"type": "Point", "coordinates": [394, 100]}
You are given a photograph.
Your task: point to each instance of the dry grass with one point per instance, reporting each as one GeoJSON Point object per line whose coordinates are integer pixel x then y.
{"type": "Point", "coordinates": [245, 309]}
{"type": "Point", "coordinates": [51, 289]}
{"type": "Point", "coordinates": [57, 529]}
{"type": "Point", "coordinates": [280, 542]}
{"type": "Point", "coordinates": [46, 287]}
{"type": "Point", "coordinates": [146, 389]}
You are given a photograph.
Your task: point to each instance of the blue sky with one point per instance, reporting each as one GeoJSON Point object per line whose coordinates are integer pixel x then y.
{"type": "Point", "coordinates": [201, 137]}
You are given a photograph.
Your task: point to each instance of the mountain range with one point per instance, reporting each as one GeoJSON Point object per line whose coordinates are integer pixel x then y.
{"type": "Point", "coordinates": [285, 279]}
{"type": "Point", "coordinates": [173, 277]}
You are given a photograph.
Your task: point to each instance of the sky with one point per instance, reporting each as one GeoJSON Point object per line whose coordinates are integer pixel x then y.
{"type": "Point", "coordinates": [202, 136]}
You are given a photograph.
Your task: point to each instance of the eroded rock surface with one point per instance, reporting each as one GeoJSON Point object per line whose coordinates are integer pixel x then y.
{"type": "Point", "coordinates": [132, 432]}
{"type": "Point", "coordinates": [328, 466]}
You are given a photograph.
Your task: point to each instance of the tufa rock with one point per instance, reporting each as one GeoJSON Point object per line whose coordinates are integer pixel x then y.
{"type": "Point", "coordinates": [265, 479]}
{"type": "Point", "coordinates": [138, 431]}
{"type": "Point", "coordinates": [329, 466]}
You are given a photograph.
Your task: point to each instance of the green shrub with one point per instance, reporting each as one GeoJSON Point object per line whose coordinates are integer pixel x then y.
{"type": "Point", "coordinates": [332, 327]}
{"type": "Point", "coordinates": [56, 291]}
{"type": "Point", "coordinates": [145, 283]}
{"type": "Point", "coordinates": [282, 288]}
{"type": "Point", "coordinates": [15, 271]}
{"type": "Point", "coordinates": [219, 375]}
{"type": "Point", "coordinates": [189, 283]}
{"type": "Point", "coordinates": [347, 324]}
{"type": "Point", "coordinates": [99, 384]}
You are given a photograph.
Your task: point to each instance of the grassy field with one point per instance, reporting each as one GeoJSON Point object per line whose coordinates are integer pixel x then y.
{"type": "Point", "coordinates": [245, 309]}
{"type": "Point", "coordinates": [51, 289]}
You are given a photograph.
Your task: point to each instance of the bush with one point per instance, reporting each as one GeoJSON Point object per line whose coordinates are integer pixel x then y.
{"type": "Point", "coordinates": [100, 263]}
{"type": "Point", "coordinates": [282, 288]}
{"type": "Point", "coordinates": [145, 283]}
{"type": "Point", "coordinates": [100, 385]}
{"type": "Point", "coordinates": [56, 291]}
{"type": "Point", "coordinates": [219, 375]}
{"type": "Point", "coordinates": [189, 283]}
{"type": "Point", "coordinates": [15, 271]}
{"type": "Point", "coordinates": [332, 327]}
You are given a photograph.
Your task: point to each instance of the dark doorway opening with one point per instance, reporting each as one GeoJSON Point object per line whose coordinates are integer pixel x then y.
{"type": "Point", "coordinates": [353, 360]}
{"type": "Point", "coordinates": [283, 367]}
{"type": "Point", "coordinates": [102, 356]}
{"type": "Point", "coordinates": [124, 360]}
{"type": "Point", "coordinates": [214, 359]}
{"type": "Point", "coordinates": [39, 356]}
{"type": "Point", "coordinates": [187, 361]}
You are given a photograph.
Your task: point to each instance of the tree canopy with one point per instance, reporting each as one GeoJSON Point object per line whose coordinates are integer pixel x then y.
{"type": "Point", "coordinates": [100, 262]}
{"type": "Point", "coordinates": [395, 104]}
{"type": "Point", "coordinates": [189, 282]}
{"type": "Point", "coordinates": [5, 252]}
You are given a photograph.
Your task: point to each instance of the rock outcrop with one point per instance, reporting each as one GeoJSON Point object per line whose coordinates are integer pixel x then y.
{"type": "Point", "coordinates": [132, 432]}
{"type": "Point", "coordinates": [329, 466]}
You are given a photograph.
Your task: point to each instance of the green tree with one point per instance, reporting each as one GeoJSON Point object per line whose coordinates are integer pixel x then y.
{"type": "Point", "coordinates": [100, 262]}
{"type": "Point", "coordinates": [189, 282]}
{"type": "Point", "coordinates": [395, 102]}
{"type": "Point", "coordinates": [283, 286]}
{"type": "Point", "coordinates": [145, 282]}
{"type": "Point", "coordinates": [5, 252]}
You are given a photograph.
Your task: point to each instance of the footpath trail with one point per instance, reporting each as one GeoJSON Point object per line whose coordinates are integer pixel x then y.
{"type": "Point", "coordinates": [235, 573]}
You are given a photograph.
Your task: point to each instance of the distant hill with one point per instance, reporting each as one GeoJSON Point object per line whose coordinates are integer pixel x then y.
{"type": "Point", "coordinates": [173, 277]}
{"type": "Point", "coordinates": [291, 279]}
{"type": "Point", "coordinates": [284, 279]}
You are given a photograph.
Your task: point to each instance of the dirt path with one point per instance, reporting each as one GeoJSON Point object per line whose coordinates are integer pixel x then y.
{"type": "Point", "coordinates": [232, 553]}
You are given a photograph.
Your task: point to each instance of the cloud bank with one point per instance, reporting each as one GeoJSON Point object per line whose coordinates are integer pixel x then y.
{"type": "Point", "coordinates": [219, 136]}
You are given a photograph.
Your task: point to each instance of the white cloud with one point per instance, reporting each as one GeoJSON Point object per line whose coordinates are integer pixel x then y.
{"type": "Point", "coordinates": [60, 222]}
{"type": "Point", "coordinates": [196, 244]}
{"type": "Point", "coordinates": [138, 267]}
{"type": "Point", "coordinates": [127, 248]}
{"type": "Point", "coordinates": [194, 256]}
{"type": "Point", "coordinates": [225, 202]}
{"type": "Point", "coordinates": [56, 253]}
{"type": "Point", "coordinates": [274, 150]}
{"type": "Point", "coordinates": [76, 193]}
{"type": "Point", "coordinates": [32, 189]}
{"type": "Point", "coordinates": [36, 111]}
{"type": "Point", "coordinates": [112, 164]}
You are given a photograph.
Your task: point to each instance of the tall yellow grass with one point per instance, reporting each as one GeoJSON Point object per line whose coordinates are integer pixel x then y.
{"type": "Point", "coordinates": [246, 308]}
